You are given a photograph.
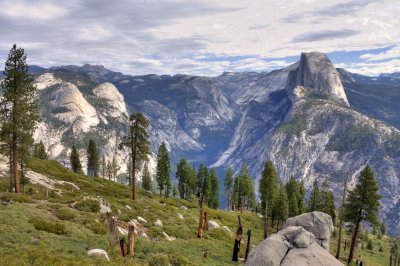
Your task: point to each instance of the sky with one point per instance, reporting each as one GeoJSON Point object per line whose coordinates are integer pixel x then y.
{"type": "Point", "coordinates": [203, 37]}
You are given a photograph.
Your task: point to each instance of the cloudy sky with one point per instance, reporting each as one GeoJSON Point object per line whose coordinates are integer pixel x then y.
{"type": "Point", "coordinates": [203, 37]}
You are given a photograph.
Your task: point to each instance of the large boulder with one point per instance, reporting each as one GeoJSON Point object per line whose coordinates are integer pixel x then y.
{"type": "Point", "coordinates": [295, 244]}
{"type": "Point", "coordinates": [318, 223]}
{"type": "Point", "coordinates": [98, 253]}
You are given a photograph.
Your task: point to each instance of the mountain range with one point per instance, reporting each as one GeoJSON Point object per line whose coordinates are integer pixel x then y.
{"type": "Point", "coordinates": [312, 120]}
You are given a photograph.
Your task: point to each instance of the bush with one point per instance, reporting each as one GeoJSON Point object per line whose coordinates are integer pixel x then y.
{"type": "Point", "coordinates": [88, 205]}
{"type": "Point", "coordinates": [10, 197]}
{"type": "Point", "coordinates": [178, 260]}
{"type": "Point", "coordinates": [370, 246]}
{"type": "Point", "coordinates": [381, 249]}
{"type": "Point", "coordinates": [65, 214]}
{"type": "Point", "coordinates": [159, 260]}
{"type": "Point", "coordinates": [48, 226]}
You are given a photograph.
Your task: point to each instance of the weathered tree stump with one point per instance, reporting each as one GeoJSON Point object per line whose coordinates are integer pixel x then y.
{"type": "Point", "coordinates": [248, 243]}
{"type": "Point", "coordinates": [112, 229]}
{"type": "Point", "coordinates": [131, 241]}
{"type": "Point", "coordinates": [238, 239]}
{"type": "Point", "coordinates": [200, 231]}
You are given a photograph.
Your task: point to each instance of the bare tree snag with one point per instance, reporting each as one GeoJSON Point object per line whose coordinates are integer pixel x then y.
{"type": "Point", "coordinates": [122, 245]}
{"type": "Point", "coordinates": [200, 231]}
{"type": "Point", "coordinates": [346, 177]}
{"type": "Point", "coordinates": [238, 239]}
{"type": "Point", "coordinates": [112, 229]}
{"type": "Point", "coordinates": [131, 240]}
{"type": "Point", "coordinates": [248, 243]}
{"type": "Point", "coordinates": [205, 221]}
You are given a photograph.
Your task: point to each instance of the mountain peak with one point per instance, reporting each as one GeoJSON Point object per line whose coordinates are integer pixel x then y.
{"type": "Point", "coordinates": [316, 72]}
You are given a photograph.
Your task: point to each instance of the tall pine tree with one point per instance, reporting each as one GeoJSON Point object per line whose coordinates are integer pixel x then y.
{"type": "Point", "coordinates": [163, 169]}
{"type": "Point", "coordinates": [314, 202]}
{"type": "Point", "coordinates": [201, 176]}
{"type": "Point", "coordinates": [75, 161]}
{"type": "Point", "coordinates": [138, 144]}
{"type": "Point", "coordinates": [214, 188]}
{"type": "Point", "coordinates": [228, 183]}
{"type": "Point", "coordinates": [93, 160]}
{"type": "Point", "coordinates": [328, 200]}
{"type": "Point", "coordinates": [281, 206]}
{"type": "Point", "coordinates": [362, 204]}
{"type": "Point", "coordinates": [293, 192]}
{"type": "Point", "coordinates": [146, 179]}
{"type": "Point", "coordinates": [18, 112]}
{"type": "Point", "coordinates": [268, 188]}
{"type": "Point", "coordinates": [39, 151]}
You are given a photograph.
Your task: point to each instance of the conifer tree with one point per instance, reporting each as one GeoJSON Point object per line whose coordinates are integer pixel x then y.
{"type": "Point", "coordinates": [168, 187]}
{"type": "Point", "coordinates": [174, 192]}
{"type": "Point", "coordinates": [182, 174]}
{"type": "Point", "coordinates": [302, 193]}
{"type": "Point", "coordinates": [362, 204]}
{"type": "Point", "coordinates": [92, 159]}
{"type": "Point", "coordinates": [293, 192]}
{"type": "Point", "coordinates": [146, 180]}
{"type": "Point", "coordinates": [163, 169]}
{"type": "Point", "coordinates": [228, 183]}
{"type": "Point", "coordinates": [244, 194]}
{"type": "Point", "coordinates": [314, 202]}
{"type": "Point", "coordinates": [268, 188]}
{"type": "Point", "coordinates": [192, 180]}
{"type": "Point", "coordinates": [75, 161]}
{"type": "Point", "coordinates": [201, 175]}
{"type": "Point", "coordinates": [214, 188]}
{"type": "Point", "coordinates": [39, 151]}
{"type": "Point", "coordinates": [18, 112]}
{"type": "Point", "coordinates": [328, 200]}
{"type": "Point", "coordinates": [138, 144]}
{"type": "Point", "coordinates": [281, 206]}
{"type": "Point", "coordinates": [207, 189]}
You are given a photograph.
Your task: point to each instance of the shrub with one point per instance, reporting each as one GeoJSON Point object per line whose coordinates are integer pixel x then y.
{"type": "Point", "coordinates": [65, 214]}
{"type": "Point", "coordinates": [88, 205]}
{"type": "Point", "coordinates": [48, 226]}
{"type": "Point", "coordinates": [370, 246]}
{"type": "Point", "coordinates": [159, 260]}
{"type": "Point", "coordinates": [9, 197]}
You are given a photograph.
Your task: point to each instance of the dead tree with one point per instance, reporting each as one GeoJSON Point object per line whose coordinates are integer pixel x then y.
{"type": "Point", "coordinates": [248, 243]}
{"type": "Point", "coordinates": [112, 229]}
{"type": "Point", "coordinates": [238, 239]}
{"type": "Point", "coordinates": [346, 177]}
{"type": "Point", "coordinates": [205, 221]}
{"type": "Point", "coordinates": [200, 231]}
{"type": "Point", "coordinates": [122, 246]}
{"type": "Point", "coordinates": [131, 240]}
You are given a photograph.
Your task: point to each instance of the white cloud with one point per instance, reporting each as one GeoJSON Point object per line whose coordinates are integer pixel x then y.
{"type": "Point", "coordinates": [393, 52]}
{"type": "Point", "coordinates": [27, 10]}
{"type": "Point", "coordinates": [372, 68]}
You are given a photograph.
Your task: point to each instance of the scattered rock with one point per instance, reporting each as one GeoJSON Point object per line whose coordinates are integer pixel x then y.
{"type": "Point", "coordinates": [128, 207]}
{"type": "Point", "coordinates": [180, 216]}
{"type": "Point", "coordinates": [141, 219]}
{"type": "Point", "coordinates": [213, 224]}
{"type": "Point", "coordinates": [260, 215]}
{"type": "Point", "coordinates": [169, 238]}
{"type": "Point", "coordinates": [98, 253]}
{"type": "Point", "coordinates": [184, 208]}
{"type": "Point", "coordinates": [104, 206]}
{"type": "Point", "coordinates": [158, 223]}
{"type": "Point", "coordinates": [226, 228]}
{"type": "Point", "coordinates": [122, 231]}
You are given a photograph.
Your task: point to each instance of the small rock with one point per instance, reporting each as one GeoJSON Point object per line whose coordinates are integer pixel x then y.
{"type": "Point", "coordinates": [169, 238]}
{"type": "Point", "coordinates": [213, 224]}
{"type": "Point", "coordinates": [122, 231]}
{"type": "Point", "coordinates": [184, 208]}
{"type": "Point", "coordinates": [141, 219]}
{"type": "Point", "coordinates": [119, 212]}
{"type": "Point", "coordinates": [158, 223]}
{"type": "Point", "coordinates": [96, 221]}
{"type": "Point", "coordinates": [260, 215]}
{"type": "Point", "coordinates": [226, 228]}
{"type": "Point", "coordinates": [143, 234]}
{"type": "Point", "coordinates": [98, 253]}
{"type": "Point", "coordinates": [180, 216]}
{"type": "Point", "coordinates": [128, 207]}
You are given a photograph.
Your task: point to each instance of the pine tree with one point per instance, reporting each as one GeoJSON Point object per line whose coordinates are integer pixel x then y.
{"type": "Point", "coordinates": [18, 112]}
{"type": "Point", "coordinates": [39, 151]}
{"type": "Point", "coordinates": [146, 180]}
{"type": "Point", "coordinates": [75, 161]}
{"type": "Point", "coordinates": [201, 175]}
{"type": "Point", "coordinates": [192, 180]}
{"type": "Point", "coordinates": [93, 160]}
{"type": "Point", "coordinates": [214, 188]}
{"type": "Point", "coordinates": [174, 192]}
{"type": "Point", "coordinates": [362, 204]}
{"type": "Point", "coordinates": [163, 169]}
{"type": "Point", "coordinates": [228, 183]}
{"type": "Point", "coordinates": [302, 193]}
{"type": "Point", "coordinates": [168, 187]}
{"type": "Point", "coordinates": [244, 195]}
{"type": "Point", "coordinates": [268, 188]}
{"type": "Point", "coordinates": [109, 170]}
{"type": "Point", "coordinates": [138, 144]}
{"type": "Point", "coordinates": [114, 168]}
{"type": "Point", "coordinates": [314, 202]}
{"type": "Point", "coordinates": [103, 166]}
{"type": "Point", "coordinates": [281, 206]}
{"type": "Point", "coordinates": [293, 192]}
{"type": "Point", "coordinates": [182, 174]}
{"type": "Point", "coordinates": [207, 189]}
{"type": "Point", "coordinates": [328, 200]}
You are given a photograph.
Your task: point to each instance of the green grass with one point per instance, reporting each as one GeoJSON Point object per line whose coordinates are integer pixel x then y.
{"type": "Point", "coordinates": [30, 235]}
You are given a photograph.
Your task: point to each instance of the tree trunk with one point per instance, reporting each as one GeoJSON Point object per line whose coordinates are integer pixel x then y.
{"type": "Point", "coordinates": [133, 175]}
{"type": "Point", "coordinates": [248, 244]}
{"type": "Point", "coordinates": [131, 241]}
{"type": "Point", "coordinates": [11, 171]}
{"type": "Point", "coordinates": [354, 238]}
{"type": "Point", "coordinates": [205, 222]}
{"type": "Point", "coordinates": [265, 221]}
{"type": "Point", "coordinates": [201, 225]}
{"type": "Point", "coordinates": [112, 230]}
{"type": "Point", "coordinates": [341, 218]}
{"type": "Point", "coordinates": [236, 245]}
{"type": "Point", "coordinates": [15, 163]}
{"type": "Point", "coordinates": [122, 246]}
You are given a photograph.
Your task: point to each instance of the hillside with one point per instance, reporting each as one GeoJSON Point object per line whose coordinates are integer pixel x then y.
{"type": "Point", "coordinates": [41, 226]}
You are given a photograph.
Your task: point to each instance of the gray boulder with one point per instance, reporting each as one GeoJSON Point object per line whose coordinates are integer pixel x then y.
{"type": "Point", "coordinates": [297, 244]}
{"type": "Point", "coordinates": [318, 223]}
{"type": "Point", "coordinates": [312, 255]}
{"type": "Point", "coordinates": [98, 253]}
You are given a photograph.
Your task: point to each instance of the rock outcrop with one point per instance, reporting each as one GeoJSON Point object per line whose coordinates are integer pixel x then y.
{"type": "Point", "coordinates": [316, 72]}
{"type": "Point", "coordinates": [297, 244]}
